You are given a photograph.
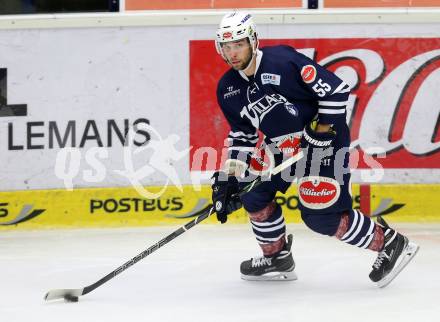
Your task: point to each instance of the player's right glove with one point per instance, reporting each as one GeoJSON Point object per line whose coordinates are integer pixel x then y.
{"type": "Point", "coordinates": [223, 189]}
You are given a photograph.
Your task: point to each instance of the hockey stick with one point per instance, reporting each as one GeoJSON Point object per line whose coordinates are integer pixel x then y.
{"type": "Point", "coordinates": [72, 295]}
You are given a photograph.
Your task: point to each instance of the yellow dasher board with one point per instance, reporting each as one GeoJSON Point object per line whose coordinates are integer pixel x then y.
{"type": "Point", "coordinates": [125, 207]}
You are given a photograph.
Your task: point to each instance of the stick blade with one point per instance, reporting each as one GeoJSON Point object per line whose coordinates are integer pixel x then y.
{"type": "Point", "coordinates": [62, 293]}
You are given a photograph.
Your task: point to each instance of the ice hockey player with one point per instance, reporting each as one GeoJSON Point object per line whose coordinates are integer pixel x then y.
{"type": "Point", "coordinates": [297, 105]}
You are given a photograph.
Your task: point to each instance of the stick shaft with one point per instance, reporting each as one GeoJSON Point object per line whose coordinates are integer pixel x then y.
{"type": "Point", "coordinates": [208, 212]}
{"type": "Point", "coordinates": [149, 251]}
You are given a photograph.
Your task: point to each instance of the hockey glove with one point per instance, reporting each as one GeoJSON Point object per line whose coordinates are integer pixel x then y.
{"type": "Point", "coordinates": [223, 189]}
{"type": "Point", "coordinates": [314, 139]}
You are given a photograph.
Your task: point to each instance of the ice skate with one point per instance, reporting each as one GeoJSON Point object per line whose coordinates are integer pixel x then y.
{"type": "Point", "coordinates": [278, 268]}
{"type": "Point", "coordinates": [396, 254]}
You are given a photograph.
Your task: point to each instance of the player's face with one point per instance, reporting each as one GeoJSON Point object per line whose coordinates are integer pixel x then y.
{"type": "Point", "coordinates": [238, 53]}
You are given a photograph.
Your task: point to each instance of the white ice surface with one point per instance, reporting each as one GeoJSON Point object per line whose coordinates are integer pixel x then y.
{"type": "Point", "coordinates": [196, 278]}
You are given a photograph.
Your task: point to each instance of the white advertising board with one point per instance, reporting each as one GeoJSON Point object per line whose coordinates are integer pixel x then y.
{"type": "Point", "coordinates": [83, 88]}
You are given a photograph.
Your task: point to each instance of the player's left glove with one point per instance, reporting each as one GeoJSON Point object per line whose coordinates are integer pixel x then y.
{"type": "Point", "coordinates": [223, 189]}
{"type": "Point", "coordinates": [314, 139]}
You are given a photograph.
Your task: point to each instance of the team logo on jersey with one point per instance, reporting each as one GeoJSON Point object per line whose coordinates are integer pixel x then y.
{"type": "Point", "coordinates": [291, 108]}
{"type": "Point", "coordinates": [308, 74]}
{"type": "Point", "coordinates": [252, 91]}
{"type": "Point", "coordinates": [267, 78]}
{"type": "Point", "coordinates": [257, 109]}
{"type": "Point", "coordinates": [318, 192]}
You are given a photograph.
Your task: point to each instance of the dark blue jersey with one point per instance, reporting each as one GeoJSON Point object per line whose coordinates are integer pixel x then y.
{"type": "Point", "coordinates": [287, 91]}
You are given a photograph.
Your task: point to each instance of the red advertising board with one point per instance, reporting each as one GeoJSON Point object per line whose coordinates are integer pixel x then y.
{"type": "Point", "coordinates": [211, 4]}
{"type": "Point", "coordinates": [394, 104]}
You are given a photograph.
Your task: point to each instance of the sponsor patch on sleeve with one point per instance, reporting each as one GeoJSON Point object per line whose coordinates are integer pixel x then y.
{"type": "Point", "coordinates": [308, 74]}
{"type": "Point", "coordinates": [318, 192]}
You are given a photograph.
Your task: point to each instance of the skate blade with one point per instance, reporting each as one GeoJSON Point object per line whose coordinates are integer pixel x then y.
{"type": "Point", "coordinates": [408, 254]}
{"type": "Point", "coordinates": [274, 276]}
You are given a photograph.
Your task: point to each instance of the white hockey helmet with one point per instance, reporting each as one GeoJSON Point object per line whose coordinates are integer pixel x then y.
{"type": "Point", "coordinates": [235, 26]}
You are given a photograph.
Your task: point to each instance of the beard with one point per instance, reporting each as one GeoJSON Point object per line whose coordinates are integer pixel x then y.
{"type": "Point", "coordinates": [244, 64]}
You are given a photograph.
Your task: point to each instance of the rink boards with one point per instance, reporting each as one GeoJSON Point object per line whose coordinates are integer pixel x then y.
{"type": "Point", "coordinates": [126, 207]}
{"type": "Point", "coordinates": [125, 110]}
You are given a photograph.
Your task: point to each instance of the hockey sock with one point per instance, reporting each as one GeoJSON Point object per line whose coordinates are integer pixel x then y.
{"type": "Point", "coordinates": [359, 230]}
{"type": "Point", "coordinates": [269, 228]}
{"type": "Point", "coordinates": [378, 240]}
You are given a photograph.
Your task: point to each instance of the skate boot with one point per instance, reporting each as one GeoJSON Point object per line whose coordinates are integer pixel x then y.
{"type": "Point", "coordinates": [280, 267]}
{"type": "Point", "coordinates": [395, 255]}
